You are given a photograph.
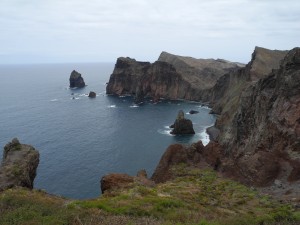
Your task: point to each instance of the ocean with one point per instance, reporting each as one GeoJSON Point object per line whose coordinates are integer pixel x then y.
{"type": "Point", "coordinates": [82, 139]}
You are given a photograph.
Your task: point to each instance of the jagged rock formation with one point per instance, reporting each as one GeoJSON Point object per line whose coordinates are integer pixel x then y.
{"type": "Point", "coordinates": [76, 80]}
{"type": "Point", "coordinates": [260, 143]}
{"type": "Point", "coordinates": [166, 78]}
{"type": "Point", "coordinates": [18, 166]}
{"type": "Point", "coordinates": [182, 125]}
{"type": "Point", "coordinates": [92, 94]}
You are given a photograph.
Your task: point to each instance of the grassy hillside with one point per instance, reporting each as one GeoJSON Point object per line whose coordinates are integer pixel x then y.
{"type": "Point", "coordinates": [194, 197]}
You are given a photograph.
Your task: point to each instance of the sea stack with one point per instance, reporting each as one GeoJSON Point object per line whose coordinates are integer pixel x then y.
{"type": "Point", "coordinates": [182, 125]}
{"type": "Point", "coordinates": [18, 166]}
{"type": "Point", "coordinates": [76, 80]}
{"type": "Point", "coordinates": [92, 94]}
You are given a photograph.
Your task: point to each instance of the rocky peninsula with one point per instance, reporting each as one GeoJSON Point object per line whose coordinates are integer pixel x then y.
{"type": "Point", "coordinates": [170, 77]}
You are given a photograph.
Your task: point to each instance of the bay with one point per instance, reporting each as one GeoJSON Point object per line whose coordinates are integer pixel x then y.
{"type": "Point", "coordinates": [81, 139]}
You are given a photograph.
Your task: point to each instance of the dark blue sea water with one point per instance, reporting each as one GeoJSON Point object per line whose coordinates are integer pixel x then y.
{"type": "Point", "coordinates": [82, 139]}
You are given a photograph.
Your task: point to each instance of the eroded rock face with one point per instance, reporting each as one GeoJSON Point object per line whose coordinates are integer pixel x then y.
{"type": "Point", "coordinates": [262, 140]}
{"type": "Point", "coordinates": [18, 166]}
{"type": "Point", "coordinates": [182, 125]}
{"type": "Point", "coordinates": [76, 80]}
{"type": "Point", "coordinates": [166, 78]}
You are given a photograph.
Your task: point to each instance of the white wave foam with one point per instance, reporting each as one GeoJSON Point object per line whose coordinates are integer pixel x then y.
{"type": "Point", "coordinates": [165, 132]}
{"type": "Point", "coordinates": [134, 106]}
{"type": "Point", "coordinates": [112, 106]}
{"type": "Point", "coordinates": [167, 127]}
{"type": "Point", "coordinates": [74, 98]}
{"type": "Point", "coordinates": [204, 137]}
{"type": "Point", "coordinates": [54, 100]}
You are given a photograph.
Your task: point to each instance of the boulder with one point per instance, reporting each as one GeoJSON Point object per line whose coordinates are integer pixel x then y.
{"type": "Point", "coordinates": [182, 125]}
{"type": "Point", "coordinates": [92, 94]}
{"type": "Point", "coordinates": [18, 166]}
{"type": "Point", "coordinates": [193, 111]}
{"type": "Point", "coordinates": [76, 80]}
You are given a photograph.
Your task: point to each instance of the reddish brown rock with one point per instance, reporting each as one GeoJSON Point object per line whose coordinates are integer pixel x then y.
{"type": "Point", "coordinates": [118, 181]}
{"type": "Point", "coordinates": [115, 181]}
{"type": "Point", "coordinates": [174, 155]}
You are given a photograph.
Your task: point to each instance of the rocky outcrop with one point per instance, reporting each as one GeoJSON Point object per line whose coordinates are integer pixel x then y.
{"type": "Point", "coordinates": [115, 181]}
{"type": "Point", "coordinates": [76, 80]}
{"type": "Point", "coordinates": [18, 166]}
{"type": "Point", "coordinates": [182, 125]}
{"type": "Point", "coordinates": [166, 78]}
{"type": "Point", "coordinates": [175, 155]}
{"type": "Point", "coordinates": [118, 181]}
{"type": "Point", "coordinates": [92, 94]}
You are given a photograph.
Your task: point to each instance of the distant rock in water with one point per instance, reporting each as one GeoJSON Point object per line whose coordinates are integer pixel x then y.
{"type": "Point", "coordinates": [18, 166]}
{"type": "Point", "coordinates": [76, 80]}
{"type": "Point", "coordinates": [182, 125]}
{"type": "Point", "coordinates": [193, 112]}
{"type": "Point", "coordinates": [92, 94]}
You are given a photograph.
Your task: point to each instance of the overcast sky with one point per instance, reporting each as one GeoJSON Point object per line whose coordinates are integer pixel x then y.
{"type": "Point", "coordinates": [37, 31]}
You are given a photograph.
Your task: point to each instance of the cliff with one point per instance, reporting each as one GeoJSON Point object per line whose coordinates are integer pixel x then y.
{"type": "Point", "coordinates": [171, 77]}
{"type": "Point", "coordinates": [19, 165]}
{"type": "Point", "coordinates": [259, 144]}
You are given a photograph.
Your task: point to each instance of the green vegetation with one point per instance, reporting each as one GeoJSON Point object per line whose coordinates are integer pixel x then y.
{"type": "Point", "coordinates": [196, 197]}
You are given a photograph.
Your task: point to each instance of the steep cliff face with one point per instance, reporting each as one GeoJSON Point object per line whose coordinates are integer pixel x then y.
{"type": "Point", "coordinates": [171, 77]}
{"type": "Point", "coordinates": [261, 143]}
{"type": "Point", "coordinates": [19, 165]}
{"type": "Point", "coordinates": [225, 96]}
{"type": "Point", "coordinates": [143, 79]}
